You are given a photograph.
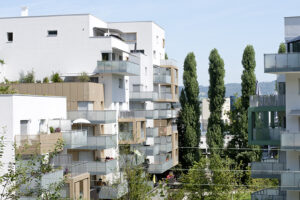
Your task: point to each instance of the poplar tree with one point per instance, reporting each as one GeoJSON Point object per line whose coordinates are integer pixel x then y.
{"type": "Point", "coordinates": [188, 120]}
{"type": "Point", "coordinates": [216, 95]}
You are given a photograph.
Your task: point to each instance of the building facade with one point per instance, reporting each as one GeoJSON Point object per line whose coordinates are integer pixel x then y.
{"type": "Point", "coordinates": [128, 99]}
{"type": "Point", "coordinates": [274, 120]}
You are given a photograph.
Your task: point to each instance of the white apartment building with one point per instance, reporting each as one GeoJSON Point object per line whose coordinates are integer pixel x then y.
{"type": "Point", "coordinates": [275, 120]}
{"type": "Point", "coordinates": [128, 100]}
{"type": "Point", "coordinates": [35, 124]}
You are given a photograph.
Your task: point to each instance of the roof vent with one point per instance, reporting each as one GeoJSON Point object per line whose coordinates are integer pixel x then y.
{"type": "Point", "coordinates": [24, 11]}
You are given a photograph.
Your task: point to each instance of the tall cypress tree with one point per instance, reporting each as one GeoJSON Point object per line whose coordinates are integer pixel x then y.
{"type": "Point", "coordinates": [188, 120]}
{"type": "Point", "coordinates": [216, 95]}
{"type": "Point", "coordinates": [248, 76]}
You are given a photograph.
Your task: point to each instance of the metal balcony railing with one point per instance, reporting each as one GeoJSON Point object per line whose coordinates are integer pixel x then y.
{"type": "Point", "coordinates": [95, 116]}
{"type": "Point", "coordinates": [267, 100]}
{"type": "Point", "coordinates": [287, 62]}
{"type": "Point", "coordinates": [269, 194]}
{"type": "Point", "coordinates": [122, 67]}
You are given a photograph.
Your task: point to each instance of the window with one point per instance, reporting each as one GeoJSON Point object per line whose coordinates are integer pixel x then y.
{"type": "Point", "coordinates": [105, 56]}
{"type": "Point", "coordinates": [129, 37]}
{"type": "Point", "coordinates": [24, 127]}
{"type": "Point", "coordinates": [85, 105]}
{"type": "Point", "coordinates": [298, 86]}
{"type": "Point", "coordinates": [145, 71]}
{"type": "Point", "coordinates": [163, 43]}
{"type": "Point", "coordinates": [10, 36]}
{"type": "Point", "coordinates": [154, 54]}
{"type": "Point", "coordinates": [120, 83]}
{"type": "Point", "coordinates": [52, 33]}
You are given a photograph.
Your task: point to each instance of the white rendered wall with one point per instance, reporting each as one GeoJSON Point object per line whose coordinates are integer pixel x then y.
{"type": "Point", "coordinates": [72, 51]}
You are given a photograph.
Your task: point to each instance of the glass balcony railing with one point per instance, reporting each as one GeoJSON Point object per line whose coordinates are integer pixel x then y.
{"type": "Point", "coordinates": [122, 67]}
{"type": "Point", "coordinates": [102, 167]}
{"type": "Point", "coordinates": [115, 191]}
{"type": "Point", "coordinates": [101, 142]}
{"type": "Point", "coordinates": [266, 169]}
{"type": "Point", "coordinates": [149, 114]}
{"type": "Point", "coordinates": [126, 135]}
{"type": "Point", "coordinates": [267, 100]}
{"type": "Point", "coordinates": [174, 128]}
{"type": "Point", "coordinates": [75, 139]}
{"type": "Point", "coordinates": [143, 96]}
{"type": "Point", "coordinates": [94, 116]}
{"type": "Point", "coordinates": [269, 194]}
{"type": "Point", "coordinates": [152, 132]}
{"type": "Point", "coordinates": [165, 148]}
{"type": "Point", "coordinates": [159, 78]}
{"type": "Point", "coordinates": [290, 180]}
{"type": "Point", "coordinates": [160, 168]}
{"type": "Point", "coordinates": [287, 62]}
{"type": "Point", "coordinates": [165, 96]}
{"type": "Point", "coordinates": [266, 135]}
{"type": "Point", "coordinates": [130, 160]}
{"type": "Point", "coordinates": [290, 140]}
{"type": "Point", "coordinates": [169, 62]}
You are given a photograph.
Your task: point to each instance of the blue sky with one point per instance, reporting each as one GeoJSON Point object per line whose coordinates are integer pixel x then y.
{"type": "Point", "coordinates": [190, 25]}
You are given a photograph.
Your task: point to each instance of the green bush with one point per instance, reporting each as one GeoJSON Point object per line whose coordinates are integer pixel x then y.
{"type": "Point", "coordinates": [55, 78]}
{"type": "Point", "coordinates": [51, 129]}
{"type": "Point", "coordinates": [46, 80]}
{"type": "Point", "coordinates": [84, 77]}
{"type": "Point", "coordinates": [28, 78]}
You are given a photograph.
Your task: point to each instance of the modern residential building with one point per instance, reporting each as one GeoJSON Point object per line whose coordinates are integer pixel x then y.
{"type": "Point", "coordinates": [35, 124]}
{"type": "Point", "coordinates": [274, 120]}
{"type": "Point", "coordinates": [128, 100]}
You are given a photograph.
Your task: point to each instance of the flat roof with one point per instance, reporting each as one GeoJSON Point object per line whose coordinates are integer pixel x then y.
{"type": "Point", "coordinates": [138, 22]}
{"type": "Point", "coordinates": [37, 16]}
{"type": "Point", "coordinates": [30, 95]}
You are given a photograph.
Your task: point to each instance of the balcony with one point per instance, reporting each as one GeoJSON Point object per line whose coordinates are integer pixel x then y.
{"type": "Point", "coordinates": [290, 180]}
{"type": "Point", "coordinates": [75, 139]}
{"type": "Point", "coordinates": [265, 136]}
{"type": "Point", "coordinates": [120, 67]}
{"type": "Point", "coordinates": [46, 180]}
{"type": "Point", "coordinates": [167, 114]}
{"type": "Point", "coordinates": [164, 96]}
{"type": "Point", "coordinates": [269, 168]}
{"type": "Point", "coordinates": [126, 160]}
{"type": "Point", "coordinates": [143, 96]}
{"type": "Point", "coordinates": [269, 194]}
{"type": "Point", "coordinates": [115, 191]}
{"type": "Point", "coordinates": [174, 128]}
{"type": "Point", "coordinates": [169, 62]}
{"type": "Point", "coordinates": [162, 79]}
{"type": "Point", "coordinates": [165, 130]}
{"type": "Point", "coordinates": [159, 168]}
{"type": "Point", "coordinates": [267, 101]}
{"type": "Point", "coordinates": [94, 116]}
{"type": "Point", "coordinates": [290, 140]}
{"type": "Point", "coordinates": [102, 167]}
{"type": "Point", "coordinates": [37, 144]}
{"type": "Point", "coordinates": [152, 132]}
{"type": "Point", "coordinates": [70, 168]}
{"type": "Point", "coordinates": [165, 143]}
{"type": "Point", "coordinates": [100, 142]}
{"type": "Point", "coordinates": [280, 63]}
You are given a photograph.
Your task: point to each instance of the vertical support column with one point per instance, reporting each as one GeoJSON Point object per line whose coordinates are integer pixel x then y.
{"type": "Point", "coordinates": [77, 190]}
{"type": "Point", "coordinates": [272, 119]}
{"type": "Point", "coordinates": [86, 194]}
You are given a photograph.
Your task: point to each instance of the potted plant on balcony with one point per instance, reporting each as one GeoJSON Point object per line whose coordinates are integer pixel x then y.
{"type": "Point", "coordinates": [51, 129]}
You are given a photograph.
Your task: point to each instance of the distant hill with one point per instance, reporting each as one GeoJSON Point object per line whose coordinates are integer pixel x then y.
{"type": "Point", "coordinates": [235, 88]}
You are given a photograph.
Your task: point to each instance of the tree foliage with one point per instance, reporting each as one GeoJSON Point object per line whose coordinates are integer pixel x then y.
{"type": "Point", "coordinates": [5, 89]}
{"type": "Point", "coordinates": [282, 48]}
{"type": "Point", "coordinates": [188, 120]}
{"type": "Point", "coordinates": [216, 95]}
{"type": "Point", "coordinates": [84, 77]}
{"type": "Point", "coordinates": [23, 177]}
{"type": "Point", "coordinates": [27, 78]}
{"type": "Point", "coordinates": [2, 62]}
{"type": "Point", "coordinates": [55, 78]}
{"type": "Point", "coordinates": [248, 76]}
{"type": "Point", "coordinates": [210, 179]}
{"type": "Point", "coordinates": [46, 80]}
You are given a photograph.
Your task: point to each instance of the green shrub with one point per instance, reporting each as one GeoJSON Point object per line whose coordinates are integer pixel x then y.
{"type": "Point", "coordinates": [51, 129]}
{"type": "Point", "coordinates": [55, 78]}
{"type": "Point", "coordinates": [84, 77]}
{"type": "Point", "coordinates": [46, 80]}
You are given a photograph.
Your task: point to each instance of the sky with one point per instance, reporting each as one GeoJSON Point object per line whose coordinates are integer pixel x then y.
{"type": "Point", "coordinates": [191, 26]}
